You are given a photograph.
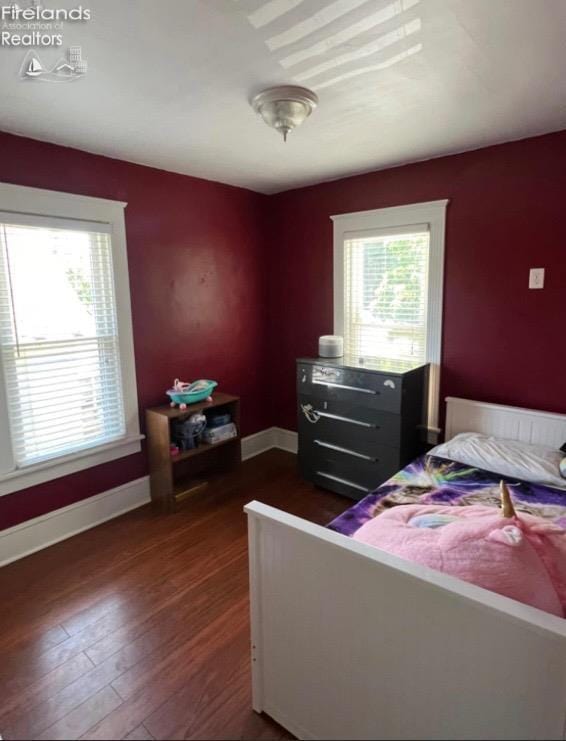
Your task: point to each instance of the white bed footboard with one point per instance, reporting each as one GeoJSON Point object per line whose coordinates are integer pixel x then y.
{"type": "Point", "coordinates": [350, 642]}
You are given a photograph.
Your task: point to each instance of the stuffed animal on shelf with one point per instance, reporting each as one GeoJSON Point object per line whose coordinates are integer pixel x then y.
{"type": "Point", "coordinates": [517, 555]}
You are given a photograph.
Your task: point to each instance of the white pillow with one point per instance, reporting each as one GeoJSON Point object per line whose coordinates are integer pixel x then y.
{"type": "Point", "coordinates": [535, 463]}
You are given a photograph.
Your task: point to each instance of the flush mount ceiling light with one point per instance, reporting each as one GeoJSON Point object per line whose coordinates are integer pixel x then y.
{"type": "Point", "coordinates": [283, 108]}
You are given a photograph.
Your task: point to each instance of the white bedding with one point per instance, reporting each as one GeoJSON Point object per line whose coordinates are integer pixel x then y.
{"type": "Point", "coordinates": [535, 463]}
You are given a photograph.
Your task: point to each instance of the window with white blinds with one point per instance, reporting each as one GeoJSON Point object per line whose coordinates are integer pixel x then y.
{"type": "Point", "coordinates": [388, 288]}
{"type": "Point", "coordinates": [386, 294]}
{"type": "Point", "coordinates": [59, 337]}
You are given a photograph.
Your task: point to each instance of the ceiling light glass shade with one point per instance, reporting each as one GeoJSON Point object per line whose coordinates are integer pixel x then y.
{"type": "Point", "coordinates": [284, 108]}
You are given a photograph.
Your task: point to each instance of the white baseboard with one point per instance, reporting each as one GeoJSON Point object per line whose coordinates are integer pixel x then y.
{"type": "Point", "coordinates": [34, 535]}
{"type": "Point", "coordinates": [272, 437]}
{"type": "Point", "coordinates": [41, 532]}
{"type": "Point", "coordinates": [253, 445]}
{"type": "Point", "coordinates": [286, 440]}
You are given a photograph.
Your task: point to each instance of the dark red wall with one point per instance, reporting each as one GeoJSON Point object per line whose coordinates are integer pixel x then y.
{"type": "Point", "coordinates": [502, 342]}
{"type": "Point", "coordinates": [197, 273]}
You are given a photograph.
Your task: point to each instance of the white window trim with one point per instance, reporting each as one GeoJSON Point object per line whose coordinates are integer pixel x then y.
{"type": "Point", "coordinates": [39, 202]}
{"type": "Point", "coordinates": [432, 213]}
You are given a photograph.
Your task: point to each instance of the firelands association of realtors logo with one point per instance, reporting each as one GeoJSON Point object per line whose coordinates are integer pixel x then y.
{"type": "Point", "coordinates": [36, 26]}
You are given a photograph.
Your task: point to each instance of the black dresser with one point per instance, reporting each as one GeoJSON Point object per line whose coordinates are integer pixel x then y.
{"type": "Point", "coordinates": [359, 423]}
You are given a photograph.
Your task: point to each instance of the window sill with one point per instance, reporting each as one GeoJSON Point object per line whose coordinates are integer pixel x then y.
{"type": "Point", "coordinates": [34, 475]}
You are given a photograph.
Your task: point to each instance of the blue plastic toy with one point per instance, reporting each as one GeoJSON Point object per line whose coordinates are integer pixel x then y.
{"type": "Point", "coordinates": [183, 394]}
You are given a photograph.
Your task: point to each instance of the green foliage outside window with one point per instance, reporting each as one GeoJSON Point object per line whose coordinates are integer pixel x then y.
{"type": "Point", "coordinates": [395, 280]}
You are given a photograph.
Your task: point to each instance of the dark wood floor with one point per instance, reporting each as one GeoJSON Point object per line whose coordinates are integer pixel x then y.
{"type": "Point", "coordinates": [139, 628]}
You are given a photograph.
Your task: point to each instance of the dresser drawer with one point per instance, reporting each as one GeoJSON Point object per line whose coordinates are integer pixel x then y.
{"type": "Point", "coordinates": [337, 484]}
{"type": "Point", "coordinates": [325, 459]}
{"type": "Point", "coordinates": [342, 421]}
{"type": "Point", "coordinates": [342, 428]}
{"type": "Point", "coordinates": [374, 390]}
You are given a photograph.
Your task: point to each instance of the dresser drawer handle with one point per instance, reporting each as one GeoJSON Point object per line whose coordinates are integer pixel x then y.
{"type": "Point", "coordinates": [338, 418]}
{"type": "Point", "coordinates": [342, 481]}
{"type": "Point", "coordinates": [346, 388]}
{"type": "Point", "coordinates": [345, 450]}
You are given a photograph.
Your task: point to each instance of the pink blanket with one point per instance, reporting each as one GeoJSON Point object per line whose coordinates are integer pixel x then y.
{"type": "Point", "coordinates": [518, 556]}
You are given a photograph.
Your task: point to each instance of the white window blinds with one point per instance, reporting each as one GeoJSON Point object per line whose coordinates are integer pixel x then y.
{"type": "Point", "coordinates": [59, 337]}
{"type": "Point", "coordinates": [386, 288]}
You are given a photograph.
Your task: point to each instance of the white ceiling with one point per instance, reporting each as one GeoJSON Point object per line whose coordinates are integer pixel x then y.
{"type": "Point", "coordinates": [169, 83]}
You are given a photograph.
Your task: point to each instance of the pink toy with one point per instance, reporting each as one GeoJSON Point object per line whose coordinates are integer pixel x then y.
{"type": "Point", "coordinates": [519, 556]}
{"type": "Point", "coordinates": [180, 386]}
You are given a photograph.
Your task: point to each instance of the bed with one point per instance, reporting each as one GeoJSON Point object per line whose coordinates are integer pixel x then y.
{"type": "Point", "coordinates": [434, 480]}
{"type": "Point", "coordinates": [351, 642]}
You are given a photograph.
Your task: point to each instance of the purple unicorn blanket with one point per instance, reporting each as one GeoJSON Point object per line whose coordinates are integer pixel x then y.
{"type": "Point", "coordinates": [432, 480]}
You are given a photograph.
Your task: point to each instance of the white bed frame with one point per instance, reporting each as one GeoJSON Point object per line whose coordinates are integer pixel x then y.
{"type": "Point", "coordinates": [349, 642]}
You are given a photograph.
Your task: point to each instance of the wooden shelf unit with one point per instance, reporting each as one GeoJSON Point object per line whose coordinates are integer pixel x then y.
{"type": "Point", "coordinates": [176, 477]}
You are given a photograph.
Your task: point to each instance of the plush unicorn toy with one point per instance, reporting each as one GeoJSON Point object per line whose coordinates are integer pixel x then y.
{"type": "Point", "coordinates": [519, 556]}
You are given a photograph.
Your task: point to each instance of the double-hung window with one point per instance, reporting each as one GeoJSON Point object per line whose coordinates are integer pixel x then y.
{"type": "Point", "coordinates": [67, 391]}
{"type": "Point", "coordinates": [388, 273]}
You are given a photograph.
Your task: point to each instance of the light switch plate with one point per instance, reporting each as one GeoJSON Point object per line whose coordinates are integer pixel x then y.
{"type": "Point", "coordinates": [536, 278]}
